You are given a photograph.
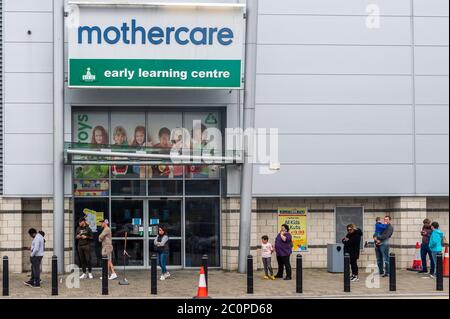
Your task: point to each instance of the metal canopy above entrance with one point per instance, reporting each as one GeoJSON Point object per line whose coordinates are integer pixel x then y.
{"type": "Point", "coordinates": [90, 154]}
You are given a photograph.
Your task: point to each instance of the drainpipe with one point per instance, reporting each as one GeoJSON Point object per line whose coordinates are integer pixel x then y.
{"type": "Point", "coordinates": [58, 132]}
{"type": "Point", "coordinates": [249, 122]}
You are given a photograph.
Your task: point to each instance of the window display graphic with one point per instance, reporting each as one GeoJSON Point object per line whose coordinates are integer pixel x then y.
{"type": "Point", "coordinates": [93, 218]}
{"type": "Point", "coordinates": [295, 218]}
{"type": "Point", "coordinates": [128, 129]}
{"type": "Point", "coordinates": [91, 188]}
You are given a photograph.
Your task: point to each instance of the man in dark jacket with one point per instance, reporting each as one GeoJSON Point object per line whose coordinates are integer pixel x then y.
{"type": "Point", "coordinates": [352, 246]}
{"type": "Point", "coordinates": [382, 248]}
{"type": "Point", "coordinates": [84, 237]}
{"type": "Point", "coordinates": [425, 248]}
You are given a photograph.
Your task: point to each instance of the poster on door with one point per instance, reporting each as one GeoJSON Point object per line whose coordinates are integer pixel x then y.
{"type": "Point", "coordinates": [295, 218]}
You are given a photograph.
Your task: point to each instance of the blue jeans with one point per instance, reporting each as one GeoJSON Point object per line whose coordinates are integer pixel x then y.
{"type": "Point", "coordinates": [162, 261]}
{"type": "Point", "coordinates": [424, 251]}
{"type": "Point", "coordinates": [382, 253]}
{"type": "Point", "coordinates": [434, 257]}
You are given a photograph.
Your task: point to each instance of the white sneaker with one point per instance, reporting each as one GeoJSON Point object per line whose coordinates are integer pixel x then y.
{"type": "Point", "coordinates": [83, 276]}
{"type": "Point", "coordinates": [355, 279]}
{"type": "Point", "coordinates": [162, 277]}
{"type": "Point", "coordinates": [90, 276]}
{"type": "Point", "coordinates": [167, 275]}
{"type": "Point", "coordinates": [112, 276]}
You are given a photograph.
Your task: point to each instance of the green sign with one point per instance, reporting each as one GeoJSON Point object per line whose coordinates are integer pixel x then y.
{"type": "Point", "coordinates": [155, 73]}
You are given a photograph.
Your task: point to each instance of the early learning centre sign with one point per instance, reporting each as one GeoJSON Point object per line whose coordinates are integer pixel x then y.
{"type": "Point", "coordinates": [161, 45]}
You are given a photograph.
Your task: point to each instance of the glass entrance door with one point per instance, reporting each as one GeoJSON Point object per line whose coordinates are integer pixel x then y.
{"type": "Point", "coordinates": [169, 213]}
{"type": "Point", "coordinates": [127, 217]}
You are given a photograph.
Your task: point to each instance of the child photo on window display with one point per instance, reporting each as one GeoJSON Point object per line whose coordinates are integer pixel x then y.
{"type": "Point", "coordinates": [120, 138]}
{"type": "Point", "coordinates": [199, 147]}
{"type": "Point", "coordinates": [99, 137]}
{"type": "Point", "coordinates": [164, 143]}
{"type": "Point", "coordinates": [181, 141]}
{"type": "Point", "coordinates": [140, 140]}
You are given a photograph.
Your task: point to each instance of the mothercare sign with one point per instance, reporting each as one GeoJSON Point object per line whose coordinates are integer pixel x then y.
{"type": "Point", "coordinates": [156, 45]}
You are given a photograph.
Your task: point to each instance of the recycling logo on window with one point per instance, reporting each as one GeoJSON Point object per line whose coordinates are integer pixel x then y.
{"type": "Point", "coordinates": [211, 119]}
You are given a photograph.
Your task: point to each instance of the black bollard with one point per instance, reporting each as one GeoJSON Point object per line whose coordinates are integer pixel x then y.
{"type": "Point", "coordinates": [347, 287]}
{"type": "Point", "coordinates": [54, 276]}
{"type": "Point", "coordinates": [439, 273]}
{"type": "Point", "coordinates": [299, 284]}
{"type": "Point", "coordinates": [5, 276]}
{"type": "Point", "coordinates": [250, 274]}
{"type": "Point", "coordinates": [105, 276]}
{"type": "Point", "coordinates": [392, 273]}
{"type": "Point", "coordinates": [153, 275]}
{"type": "Point", "coordinates": [205, 267]}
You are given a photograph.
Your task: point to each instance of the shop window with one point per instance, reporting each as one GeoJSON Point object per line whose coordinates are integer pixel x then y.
{"type": "Point", "coordinates": [165, 187]}
{"type": "Point", "coordinates": [346, 216]}
{"type": "Point", "coordinates": [127, 216]}
{"type": "Point", "coordinates": [94, 209]}
{"type": "Point", "coordinates": [202, 187]}
{"type": "Point", "coordinates": [202, 231]}
{"type": "Point", "coordinates": [135, 250]}
{"type": "Point", "coordinates": [128, 188]}
{"type": "Point", "coordinates": [90, 188]}
{"type": "Point", "coordinates": [174, 251]}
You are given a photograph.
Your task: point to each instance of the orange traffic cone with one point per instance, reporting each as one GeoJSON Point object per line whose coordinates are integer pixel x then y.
{"type": "Point", "coordinates": [417, 263]}
{"type": "Point", "coordinates": [202, 288]}
{"type": "Point", "coordinates": [445, 262]}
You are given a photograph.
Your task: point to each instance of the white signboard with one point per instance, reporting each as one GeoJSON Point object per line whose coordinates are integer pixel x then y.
{"type": "Point", "coordinates": [156, 45]}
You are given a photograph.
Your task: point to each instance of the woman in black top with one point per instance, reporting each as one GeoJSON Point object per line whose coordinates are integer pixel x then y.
{"type": "Point", "coordinates": [352, 246]}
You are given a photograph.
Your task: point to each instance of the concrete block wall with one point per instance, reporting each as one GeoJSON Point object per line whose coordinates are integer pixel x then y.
{"type": "Point", "coordinates": [230, 233]}
{"type": "Point", "coordinates": [47, 227]}
{"type": "Point", "coordinates": [407, 216]}
{"type": "Point", "coordinates": [11, 241]}
{"type": "Point", "coordinates": [321, 225]}
{"type": "Point", "coordinates": [438, 210]}
{"type": "Point", "coordinates": [16, 219]}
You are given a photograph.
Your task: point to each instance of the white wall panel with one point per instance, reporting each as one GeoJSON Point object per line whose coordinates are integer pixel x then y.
{"type": "Point", "coordinates": [330, 180]}
{"type": "Point", "coordinates": [29, 118]}
{"type": "Point", "coordinates": [431, 7]}
{"type": "Point", "coordinates": [19, 23]}
{"type": "Point", "coordinates": [432, 60]}
{"type": "Point", "coordinates": [346, 149]}
{"type": "Point", "coordinates": [28, 88]}
{"type": "Point", "coordinates": [432, 149]}
{"type": "Point", "coordinates": [433, 179]}
{"type": "Point", "coordinates": [28, 180]}
{"type": "Point", "coordinates": [332, 89]}
{"type": "Point", "coordinates": [286, 29]}
{"type": "Point", "coordinates": [299, 59]}
{"type": "Point", "coordinates": [336, 119]}
{"type": "Point", "coordinates": [432, 90]}
{"type": "Point", "coordinates": [431, 31]}
{"type": "Point", "coordinates": [333, 7]}
{"type": "Point", "coordinates": [28, 57]}
{"type": "Point", "coordinates": [432, 119]}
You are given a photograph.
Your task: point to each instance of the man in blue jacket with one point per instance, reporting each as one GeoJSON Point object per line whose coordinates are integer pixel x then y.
{"type": "Point", "coordinates": [37, 253]}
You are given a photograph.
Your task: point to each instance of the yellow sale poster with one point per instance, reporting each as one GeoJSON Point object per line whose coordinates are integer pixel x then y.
{"type": "Point", "coordinates": [295, 218]}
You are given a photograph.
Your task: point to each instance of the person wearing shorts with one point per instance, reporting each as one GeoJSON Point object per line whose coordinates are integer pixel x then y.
{"type": "Point", "coordinates": [107, 247]}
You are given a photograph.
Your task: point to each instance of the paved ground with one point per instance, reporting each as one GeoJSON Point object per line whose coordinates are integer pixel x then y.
{"type": "Point", "coordinates": [318, 283]}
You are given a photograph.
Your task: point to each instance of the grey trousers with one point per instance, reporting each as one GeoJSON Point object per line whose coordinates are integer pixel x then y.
{"type": "Point", "coordinates": [267, 262]}
{"type": "Point", "coordinates": [36, 270]}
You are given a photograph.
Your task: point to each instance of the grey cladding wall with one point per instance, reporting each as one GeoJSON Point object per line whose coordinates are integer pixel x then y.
{"type": "Point", "coordinates": [360, 110]}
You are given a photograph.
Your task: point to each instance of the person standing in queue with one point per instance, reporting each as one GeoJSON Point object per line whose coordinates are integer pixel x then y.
{"type": "Point", "coordinates": [162, 249]}
{"type": "Point", "coordinates": [84, 237]}
{"type": "Point", "coordinates": [352, 246]}
{"type": "Point", "coordinates": [107, 247]}
{"type": "Point", "coordinates": [283, 249]}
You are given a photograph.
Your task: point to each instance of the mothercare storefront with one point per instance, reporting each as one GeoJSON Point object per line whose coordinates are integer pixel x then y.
{"type": "Point", "coordinates": [142, 161]}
